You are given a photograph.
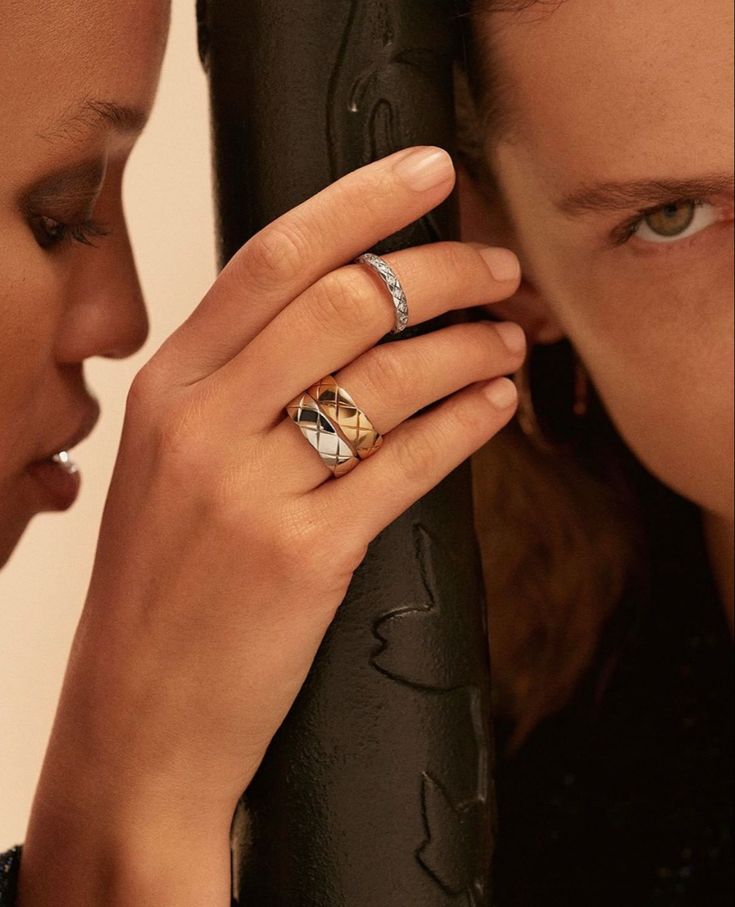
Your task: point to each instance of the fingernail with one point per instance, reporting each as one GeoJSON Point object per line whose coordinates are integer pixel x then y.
{"type": "Point", "coordinates": [425, 168]}
{"type": "Point", "coordinates": [503, 263]}
{"type": "Point", "coordinates": [501, 392]}
{"type": "Point", "coordinates": [512, 335]}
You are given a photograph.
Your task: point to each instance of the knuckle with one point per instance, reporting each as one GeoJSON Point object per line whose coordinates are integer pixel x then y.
{"type": "Point", "coordinates": [385, 370]}
{"type": "Point", "coordinates": [455, 260]}
{"type": "Point", "coordinates": [146, 394]}
{"type": "Point", "coordinates": [278, 253]}
{"type": "Point", "coordinates": [344, 301]}
{"type": "Point", "coordinates": [417, 457]}
{"type": "Point", "coordinates": [141, 391]}
{"type": "Point", "coordinates": [372, 193]}
{"type": "Point", "coordinates": [177, 445]}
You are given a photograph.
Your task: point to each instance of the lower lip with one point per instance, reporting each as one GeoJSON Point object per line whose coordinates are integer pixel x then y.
{"type": "Point", "coordinates": [61, 487]}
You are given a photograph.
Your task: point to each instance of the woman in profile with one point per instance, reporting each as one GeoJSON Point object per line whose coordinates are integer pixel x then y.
{"type": "Point", "coordinates": [595, 183]}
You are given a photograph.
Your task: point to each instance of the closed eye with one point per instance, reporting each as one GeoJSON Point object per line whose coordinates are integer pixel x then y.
{"type": "Point", "coordinates": [51, 233]}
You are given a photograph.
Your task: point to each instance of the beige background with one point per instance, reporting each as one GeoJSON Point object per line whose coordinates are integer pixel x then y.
{"type": "Point", "coordinates": [168, 200]}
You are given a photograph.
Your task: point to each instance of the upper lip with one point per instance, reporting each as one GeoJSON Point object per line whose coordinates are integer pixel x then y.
{"type": "Point", "coordinates": [86, 425]}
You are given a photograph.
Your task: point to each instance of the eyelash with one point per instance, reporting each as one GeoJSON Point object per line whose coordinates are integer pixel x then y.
{"type": "Point", "coordinates": [83, 232]}
{"type": "Point", "coordinates": [625, 231]}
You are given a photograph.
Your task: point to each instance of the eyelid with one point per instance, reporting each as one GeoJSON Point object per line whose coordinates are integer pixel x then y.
{"type": "Point", "coordinates": [69, 194]}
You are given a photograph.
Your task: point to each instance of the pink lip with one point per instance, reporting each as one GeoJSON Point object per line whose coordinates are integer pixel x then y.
{"type": "Point", "coordinates": [61, 486]}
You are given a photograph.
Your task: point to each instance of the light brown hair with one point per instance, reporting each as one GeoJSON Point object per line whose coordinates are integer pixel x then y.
{"type": "Point", "coordinates": [560, 531]}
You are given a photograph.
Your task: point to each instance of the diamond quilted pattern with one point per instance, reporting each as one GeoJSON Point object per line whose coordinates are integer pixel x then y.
{"type": "Point", "coordinates": [322, 434]}
{"type": "Point", "coordinates": [390, 278]}
{"type": "Point", "coordinates": [353, 423]}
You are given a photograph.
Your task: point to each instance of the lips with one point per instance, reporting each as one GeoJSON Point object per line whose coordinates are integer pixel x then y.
{"type": "Point", "coordinates": [59, 454]}
{"type": "Point", "coordinates": [56, 474]}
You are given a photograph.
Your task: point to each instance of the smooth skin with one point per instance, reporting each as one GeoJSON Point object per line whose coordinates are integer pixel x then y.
{"type": "Point", "coordinates": [176, 556]}
{"type": "Point", "coordinates": [148, 715]}
{"type": "Point", "coordinates": [226, 546]}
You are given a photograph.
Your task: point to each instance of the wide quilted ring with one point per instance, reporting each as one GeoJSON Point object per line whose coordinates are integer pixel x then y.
{"type": "Point", "coordinates": [323, 435]}
{"type": "Point", "coordinates": [337, 403]}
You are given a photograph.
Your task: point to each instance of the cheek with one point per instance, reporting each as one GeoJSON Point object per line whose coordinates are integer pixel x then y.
{"type": "Point", "coordinates": [30, 303]}
{"type": "Point", "coordinates": [661, 355]}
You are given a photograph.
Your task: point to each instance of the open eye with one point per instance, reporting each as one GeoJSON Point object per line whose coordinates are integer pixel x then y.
{"type": "Point", "coordinates": [674, 221]}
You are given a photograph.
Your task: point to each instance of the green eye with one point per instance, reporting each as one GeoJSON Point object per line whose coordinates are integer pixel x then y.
{"type": "Point", "coordinates": [673, 219]}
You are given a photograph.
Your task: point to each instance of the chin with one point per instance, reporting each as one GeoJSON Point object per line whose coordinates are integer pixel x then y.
{"type": "Point", "coordinates": [13, 524]}
{"type": "Point", "coordinates": [8, 543]}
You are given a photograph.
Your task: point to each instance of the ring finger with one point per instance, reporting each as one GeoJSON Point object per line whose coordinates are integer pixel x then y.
{"type": "Point", "coordinates": [393, 381]}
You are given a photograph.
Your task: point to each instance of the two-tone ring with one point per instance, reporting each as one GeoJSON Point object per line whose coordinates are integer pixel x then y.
{"type": "Point", "coordinates": [334, 425]}
{"type": "Point", "coordinates": [330, 420]}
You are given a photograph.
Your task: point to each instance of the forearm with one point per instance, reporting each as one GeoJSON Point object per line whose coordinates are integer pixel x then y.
{"type": "Point", "coordinates": [124, 814]}
{"type": "Point", "coordinates": [81, 860]}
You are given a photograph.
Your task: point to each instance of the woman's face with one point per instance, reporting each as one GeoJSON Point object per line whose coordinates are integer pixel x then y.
{"type": "Point", "coordinates": [618, 108]}
{"type": "Point", "coordinates": [76, 84]}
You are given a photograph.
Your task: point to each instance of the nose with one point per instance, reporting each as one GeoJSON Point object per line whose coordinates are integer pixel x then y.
{"type": "Point", "coordinates": [106, 314]}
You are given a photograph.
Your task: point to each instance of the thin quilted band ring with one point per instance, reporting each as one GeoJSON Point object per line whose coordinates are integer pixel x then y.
{"type": "Point", "coordinates": [390, 279]}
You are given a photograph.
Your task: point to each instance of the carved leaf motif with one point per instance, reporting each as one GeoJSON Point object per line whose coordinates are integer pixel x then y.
{"type": "Point", "coordinates": [419, 643]}
{"type": "Point", "coordinates": [450, 852]}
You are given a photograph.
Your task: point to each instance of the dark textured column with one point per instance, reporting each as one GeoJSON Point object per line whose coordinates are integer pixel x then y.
{"type": "Point", "coordinates": [377, 789]}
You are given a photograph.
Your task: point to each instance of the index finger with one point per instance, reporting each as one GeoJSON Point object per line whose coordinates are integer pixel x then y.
{"type": "Point", "coordinates": [297, 249]}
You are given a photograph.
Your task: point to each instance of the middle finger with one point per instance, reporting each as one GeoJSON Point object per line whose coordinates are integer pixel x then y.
{"type": "Point", "coordinates": [348, 311]}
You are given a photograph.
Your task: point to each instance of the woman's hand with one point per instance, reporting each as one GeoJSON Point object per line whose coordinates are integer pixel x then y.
{"type": "Point", "coordinates": [226, 546]}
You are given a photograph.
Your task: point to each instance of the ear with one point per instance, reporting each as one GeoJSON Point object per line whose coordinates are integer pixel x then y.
{"type": "Point", "coordinates": [483, 221]}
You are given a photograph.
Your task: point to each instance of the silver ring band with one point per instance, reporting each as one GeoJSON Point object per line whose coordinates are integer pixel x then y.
{"type": "Point", "coordinates": [390, 278]}
{"type": "Point", "coordinates": [323, 434]}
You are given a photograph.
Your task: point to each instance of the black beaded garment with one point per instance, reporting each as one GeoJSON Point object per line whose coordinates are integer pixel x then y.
{"type": "Point", "coordinates": [625, 798]}
{"type": "Point", "coordinates": [9, 867]}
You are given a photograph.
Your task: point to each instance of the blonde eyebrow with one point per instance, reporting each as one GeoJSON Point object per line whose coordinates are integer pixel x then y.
{"type": "Point", "coordinates": [614, 196]}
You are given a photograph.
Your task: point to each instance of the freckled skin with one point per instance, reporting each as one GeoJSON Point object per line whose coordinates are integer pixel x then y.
{"type": "Point", "coordinates": [600, 91]}
{"type": "Point", "coordinates": [625, 91]}
{"type": "Point", "coordinates": [58, 310]}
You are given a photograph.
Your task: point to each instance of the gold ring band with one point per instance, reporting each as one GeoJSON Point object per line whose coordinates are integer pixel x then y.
{"type": "Point", "coordinates": [338, 405]}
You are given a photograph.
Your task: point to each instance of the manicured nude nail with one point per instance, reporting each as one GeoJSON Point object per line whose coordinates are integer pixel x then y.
{"type": "Point", "coordinates": [503, 263]}
{"type": "Point", "coordinates": [425, 168]}
{"type": "Point", "coordinates": [501, 392]}
{"type": "Point", "coordinates": [512, 335]}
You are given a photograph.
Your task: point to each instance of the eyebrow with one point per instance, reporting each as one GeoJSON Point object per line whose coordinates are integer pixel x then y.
{"type": "Point", "coordinates": [614, 196]}
{"type": "Point", "coordinates": [92, 114]}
